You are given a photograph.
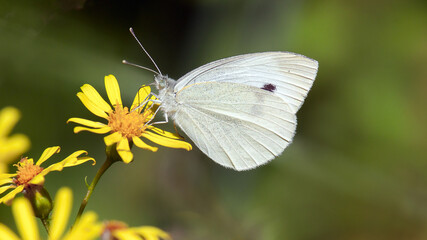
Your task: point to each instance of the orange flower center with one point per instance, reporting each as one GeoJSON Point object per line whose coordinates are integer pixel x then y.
{"type": "Point", "coordinates": [26, 171]}
{"type": "Point", "coordinates": [128, 124]}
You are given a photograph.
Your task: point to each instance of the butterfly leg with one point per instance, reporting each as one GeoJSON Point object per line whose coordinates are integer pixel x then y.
{"type": "Point", "coordinates": [159, 122]}
{"type": "Point", "coordinates": [146, 100]}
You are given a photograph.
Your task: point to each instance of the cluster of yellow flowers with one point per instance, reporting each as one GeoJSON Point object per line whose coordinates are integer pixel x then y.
{"type": "Point", "coordinates": [125, 127]}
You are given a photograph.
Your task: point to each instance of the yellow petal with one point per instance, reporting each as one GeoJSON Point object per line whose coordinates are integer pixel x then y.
{"type": "Point", "coordinates": [5, 188]}
{"type": "Point", "coordinates": [140, 96]}
{"type": "Point", "coordinates": [70, 161]}
{"type": "Point", "coordinates": [11, 195]}
{"type": "Point", "coordinates": [113, 90]}
{"type": "Point", "coordinates": [125, 234]}
{"type": "Point", "coordinates": [76, 154]}
{"type": "Point", "coordinates": [39, 178]}
{"type": "Point", "coordinates": [6, 233]}
{"type": "Point", "coordinates": [151, 233]}
{"type": "Point", "coordinates": [25, 220]}
{"type": "Point", "coordinates": [139, 143]}
{"type": "Point", "coordinates": [87, 123]}
{"type": "Point", "coordinates": [13, 147]}
{"type": "Point", "coordinates": [150, 108]}
{"type": "Point", "coordinates": [167, 142]}
{"type": "Point", "coordinates": [47, 153]}
{"type": "Point", "coordinates": [112, 138]}
{"type": "Point", "coordinates": [93, 108]}
{"type": "Point", "coordinates": [6, 178]}
{"type": "Point", "coordinates": [86, 228]}
{"type": "Point", "coordinates": [164, 133]}
{"type": "Point", "coordinates": [61, 213]}
{"type": "Point", "coordinates": [8, 118]}
{"type": "Point", "coordinates": [103, 130]}
{"type": "Point", "coordinates": [79, 161]}
{"type": "Point", "coordinates": [3, 166]}
{"type": "Point", "coordinates": [124, 150]}
{"type": "Point", "coordinates": [94, 97]}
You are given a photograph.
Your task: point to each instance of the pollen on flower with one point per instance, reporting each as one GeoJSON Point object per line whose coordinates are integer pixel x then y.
{"type": "Point", "coordinates": [128, 124]}
{"type": "Point", "coordinates": [26, 171]}
{"type": "Point", "coordinates": [114, 225]}
{"type": "Point", "coordinates": [110, 227]}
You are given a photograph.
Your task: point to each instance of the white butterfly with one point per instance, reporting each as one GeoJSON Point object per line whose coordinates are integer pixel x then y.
{"type": "Point", "coordinates": [240, 111]}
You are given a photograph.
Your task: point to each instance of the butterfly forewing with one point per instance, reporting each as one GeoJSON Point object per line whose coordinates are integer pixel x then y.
{"type": "Point", "coordinates": [287, 75]}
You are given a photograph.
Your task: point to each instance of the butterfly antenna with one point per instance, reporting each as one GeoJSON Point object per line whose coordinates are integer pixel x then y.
{"type": "Point", "coordinates": [133, 34]}
{"type": "Point", "coordinates": [139, 66]}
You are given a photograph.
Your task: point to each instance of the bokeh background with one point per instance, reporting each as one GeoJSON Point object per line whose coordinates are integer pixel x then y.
{"type": "Point", "coordinates": [357, 168]}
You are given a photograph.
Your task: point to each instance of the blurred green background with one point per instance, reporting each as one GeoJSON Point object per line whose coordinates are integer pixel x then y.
{"type": "Point", "coordinates": [357, 168]}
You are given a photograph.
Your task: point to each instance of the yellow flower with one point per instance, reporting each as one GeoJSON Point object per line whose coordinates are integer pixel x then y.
{"type": "Point", "coordinates": [30, 174]}
{"type": "Point", "coordinates": [10, 147]}
{"type": "Point", "coordinates": [87, 228]}
{"type": "Point", "coordinates": [120, 231]}
{"type": "Point", "coordinates": [125, 126]}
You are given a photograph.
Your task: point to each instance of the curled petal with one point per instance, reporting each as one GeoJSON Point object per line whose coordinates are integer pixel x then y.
{"type": "Point", "coordinates": [94, 96]}
{"type": "Point", "coordinates": [24, 218]}
{"type": "Point", "coordinates": [47, 153]}
{"type": "Point", "coordinates": [112, 138]}
{"type": "Point", "coordinates": [74, 159]}
{"type": "Point", "coordinates": [113, 90]}
{"type": "Point", "coordinates": [139, 143]}
{"type": "Point", "coordinates": [124, 150]}
{"type": "Point", "coordinates": [167, 142]}
{"type": "Point", "coordinates": [68, 162]}
{"type": "Point", "coordinates": [79, 161]}
{"type": "Point", "coordinates": [103, 130]}
{"type": "Point", "coordinates": [61, 213]}
{"type": "Point", "coordinates": [87, 123]}
{"type": "Point", "coordinates": [6, 233]}
{"type": "Point", "coordinates": [93, 108]}
{"type": "Point", "coordinates": [140, 96]}
{"type": "Point", "coordinates": [8, 118]}
{"type": "Point", "coordinates": [76, 154]}
{"type": "Point", "coordinates": [11, 195]}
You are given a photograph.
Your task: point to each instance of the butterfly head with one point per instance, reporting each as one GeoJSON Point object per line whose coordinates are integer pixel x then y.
{"type": "Point", "coordinates": [161, 81]}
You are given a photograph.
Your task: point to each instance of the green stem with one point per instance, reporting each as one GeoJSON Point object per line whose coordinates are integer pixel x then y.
{"type": "Point", "coordinates": [108, 162]}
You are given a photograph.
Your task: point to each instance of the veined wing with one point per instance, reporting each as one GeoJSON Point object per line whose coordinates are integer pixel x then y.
{"type": "Point", "coordinates": [238, 126]}
{"type": "Point", "coordinates": [286, 74]}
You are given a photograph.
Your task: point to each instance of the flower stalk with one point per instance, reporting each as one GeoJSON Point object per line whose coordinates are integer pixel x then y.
{"type": "Point", "coordinates": [107, 164]}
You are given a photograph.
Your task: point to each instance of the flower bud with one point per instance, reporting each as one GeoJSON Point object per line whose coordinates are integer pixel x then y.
{"type": "Point", "coordinates": [40, 200]}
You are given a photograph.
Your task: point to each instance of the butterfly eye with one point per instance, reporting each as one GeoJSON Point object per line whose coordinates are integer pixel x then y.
{"type": "Point", "coordinates": [269, 87]}
{"type": "Point", "coordinates": [160, 81]}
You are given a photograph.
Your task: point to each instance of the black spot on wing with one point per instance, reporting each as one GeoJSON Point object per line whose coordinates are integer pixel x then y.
{"type": "Point", "coordinates": [269, 87]}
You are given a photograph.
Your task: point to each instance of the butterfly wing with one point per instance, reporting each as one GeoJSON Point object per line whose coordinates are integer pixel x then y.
{"type": "Point", "coordinates": [288, 75]}
{"type": "Point", "coordinates": [238, 126]}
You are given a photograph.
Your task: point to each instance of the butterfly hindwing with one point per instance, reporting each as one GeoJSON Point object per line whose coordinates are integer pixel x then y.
{"type": "Point", "coordinates": [239, 126]}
